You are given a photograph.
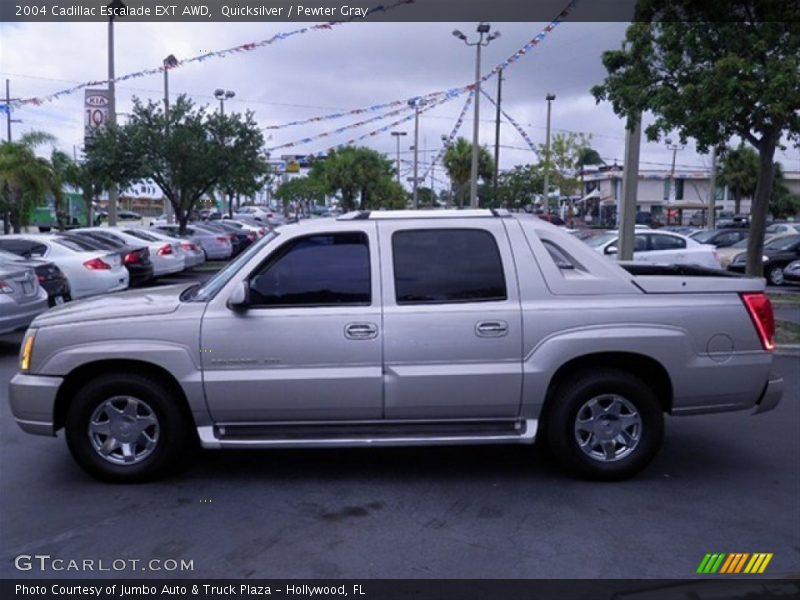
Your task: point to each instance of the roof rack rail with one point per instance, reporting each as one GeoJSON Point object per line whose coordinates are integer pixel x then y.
{"type": "Point", "coordinates": [354, 215]}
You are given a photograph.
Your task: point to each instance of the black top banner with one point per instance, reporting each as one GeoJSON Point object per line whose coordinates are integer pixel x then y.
{"type": "Point", "coordinates": [388, 589]}
{"type": "Point", "coordinates": [315, 11]}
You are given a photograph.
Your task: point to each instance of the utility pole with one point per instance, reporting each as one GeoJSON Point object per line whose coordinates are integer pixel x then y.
{"type": "Point", "coordinates": [8, 110]}
{"type": "Point", "coordinates": [711, 220]}
{"type": "Point", "coordinates": [549, 98]}
{"type": "Point", "coordinates": [113, 191]}
{"type": "Point", "coordinates": [169, 63]}
{"type": "Point", "coordinates": [416, 103]}
{"type": "Point", "coordinates": [497, 133]}
{"type": "Point", "coordinates": [630, 178]}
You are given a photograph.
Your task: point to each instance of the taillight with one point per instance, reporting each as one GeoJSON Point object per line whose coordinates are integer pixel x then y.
{"type": "Point", "coordinates": [231, 236]}
{"type": "Point", "coordinates": [760, 310]}
{"type": "Point", "coordinates": [222, 238]}
{"type": "Point", "coordinates": [262, 231]}
{"type": "Point", "coordinates": [188, 246]}
{"type": "Point", "coordinates": [96, 264]}
{"type": "Point", "coordinates": [251, 236]}
{"type": "Point", "coordinates": [41, 278]}
{"type": "Point", "coordinates": [132, 258]}
{"type": "Point", "coordinates": [165, 250]}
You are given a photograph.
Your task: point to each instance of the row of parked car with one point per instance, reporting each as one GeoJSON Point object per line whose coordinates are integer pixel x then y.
{"type": "Point", "coordinates": [38, 271]}
{"type": "Point", "coordinates": [724, 248]}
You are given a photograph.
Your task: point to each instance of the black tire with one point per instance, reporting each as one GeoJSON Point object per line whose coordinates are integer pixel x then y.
{"type": "Point", "coordinates": [572, 396]}
{"type": "Point", "coordinates": [775, 275]}
{"type": "Point", "coordinates": [173, 444]}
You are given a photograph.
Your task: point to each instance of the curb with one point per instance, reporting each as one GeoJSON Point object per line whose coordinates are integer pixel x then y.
{"type": "Point", "coordinates": [787, 350]}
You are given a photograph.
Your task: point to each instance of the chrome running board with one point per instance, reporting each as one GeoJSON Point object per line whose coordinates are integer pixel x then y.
{"type": "Point", "coordinates": [369, 433]}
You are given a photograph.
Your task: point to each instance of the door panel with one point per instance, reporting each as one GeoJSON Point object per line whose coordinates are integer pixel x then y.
{"type": "Point", "coordinates": [289, 362]}
{"type": "Point", "coordinates": [449, 358]}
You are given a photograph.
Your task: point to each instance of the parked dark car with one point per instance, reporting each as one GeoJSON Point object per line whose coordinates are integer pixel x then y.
{"type": "Point", "coordinates": [50, 277]}
{"type": "Point", "coordinates": [136, 260]}
{"type": "Point", "coordinates": [778, 253]}
{"type": "Point", "coordinates": [735, 221]}
{"type": "Point", "coordinates": [720, 238]}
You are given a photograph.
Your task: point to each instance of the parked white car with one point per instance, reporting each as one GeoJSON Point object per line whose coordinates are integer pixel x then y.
{"type": "Point", "coordinates": [659, 247]}
{"type": "Point", "coordinates": [89, 273]}
{"type": "Point", "coordinates": [193, 254]}
{"type": "Point", "coordinates": [167, 257]}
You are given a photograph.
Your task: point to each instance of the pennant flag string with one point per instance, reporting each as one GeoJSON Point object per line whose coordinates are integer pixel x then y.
{"type": "Point", "coordinates": [37, 101]}
{"type": "Point", "coordinates": [452, 135]}
{"type": "Point", "coordinates": [385, 128]}
{"type": "Point", "coordinates": [453, 91]}
{"type": "Point", "coordinates": [516, 125]}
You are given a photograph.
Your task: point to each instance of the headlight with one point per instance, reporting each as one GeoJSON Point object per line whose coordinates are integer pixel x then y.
{"type": "Point", "coordinates": [764, 258]}
{"type": "Point", "coordinates": [27, 351]}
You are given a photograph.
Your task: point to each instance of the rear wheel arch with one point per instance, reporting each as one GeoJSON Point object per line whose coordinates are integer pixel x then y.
{"type": "Point", "coordinates": [650, 371]}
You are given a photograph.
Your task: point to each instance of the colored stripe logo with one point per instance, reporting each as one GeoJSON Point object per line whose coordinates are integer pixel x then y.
{"type": "Point", "coordinates": [734, 563]}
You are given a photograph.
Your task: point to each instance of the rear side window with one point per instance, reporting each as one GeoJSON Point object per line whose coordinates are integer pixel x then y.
{"type": "Point", "coordinates": [318, 270]}
{"type": "Point", "coordinates": [438, 266]}
{"type": "Point", "coordinates": [666, 242]}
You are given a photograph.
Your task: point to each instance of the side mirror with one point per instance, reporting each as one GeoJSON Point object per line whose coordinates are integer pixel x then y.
{"type": "Point", "coordinates": [240, 298]}
{"type": "Point", "coordinates": [611, 250]}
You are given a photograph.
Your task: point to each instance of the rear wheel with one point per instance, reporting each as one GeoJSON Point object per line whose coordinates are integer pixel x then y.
{"type": "Point", "coordinates": [604, 424]}
{"type": "Point", "coordinates": [126, 428]}
{"type": "Point", "coordinates": [775, 276]}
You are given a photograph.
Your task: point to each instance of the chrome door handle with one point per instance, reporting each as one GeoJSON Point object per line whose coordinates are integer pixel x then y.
{"type": "Point", "coordinates": [360, 331]}
{"type": "Point", "coordinates": [491, 328]}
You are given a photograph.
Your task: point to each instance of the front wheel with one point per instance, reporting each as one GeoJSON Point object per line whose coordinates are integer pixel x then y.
{"type": "Point", "coordinates": [604, 424]}
{"type": "Point", "coordinates": [126, 428]}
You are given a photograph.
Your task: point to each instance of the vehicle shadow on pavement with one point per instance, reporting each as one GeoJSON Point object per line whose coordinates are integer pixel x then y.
{"type": "Point", "coordinates": [10, 343]}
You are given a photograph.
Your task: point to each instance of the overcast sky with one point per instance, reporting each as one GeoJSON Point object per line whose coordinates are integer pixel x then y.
{"type": "Point", "coordinates": [353, 65]}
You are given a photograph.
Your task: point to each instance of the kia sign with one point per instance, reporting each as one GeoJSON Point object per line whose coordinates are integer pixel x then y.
{"type": "Point", "coordinates": [96, 106]}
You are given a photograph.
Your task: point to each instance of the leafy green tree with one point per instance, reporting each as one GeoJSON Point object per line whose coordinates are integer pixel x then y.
{"type": "Point", "coordinates": [300, 190]}
{"type": "Point", "coordinates": [25, 178]}
{"type": "Point", "coordinates": [389, 194]}
{"type": "Point", "coordinates": [711, 71]}
{"type": "Point", "coordinates": [569, 153]}
{"type": "Point", "coordinates": [738, 169]}
{"type": "Point", "coordinates": [517, 187]}
{"type": "Point", "coordinates": [82, 178]}
{"type": "Point", "coordinates": [426, 198]}
{"type": "Point", "coordinates": [458, 163]}
{"type": "Point", "coordinates": [783, 203]}
{"type": "Point", "coordinates": [186, 156]}
{"type": "Point", "coordinates": [355, 173]}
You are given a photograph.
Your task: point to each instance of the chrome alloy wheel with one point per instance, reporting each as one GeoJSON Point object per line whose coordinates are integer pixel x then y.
{"type": "Point", "coordinates": [124, 430]}
{"type": "Point", "coordinates": [608, 428]}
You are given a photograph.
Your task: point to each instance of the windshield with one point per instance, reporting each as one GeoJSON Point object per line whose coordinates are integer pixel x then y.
{"type": "Point", "coordinates": [600, 240]}
{"type": "Point", "coordinates": [142, 235]}
{"type": "Point", "coordinates": [209, 289]}
{"type": "Point", "coordinates": [782, 243]}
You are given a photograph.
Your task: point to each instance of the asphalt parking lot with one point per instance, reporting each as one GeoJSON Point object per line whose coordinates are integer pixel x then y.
{"type": "Point", "coordinates": [722, 483]}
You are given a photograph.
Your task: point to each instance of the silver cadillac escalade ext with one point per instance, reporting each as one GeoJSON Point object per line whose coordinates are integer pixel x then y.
{"type": "Point", "coordinates": [400, 328]}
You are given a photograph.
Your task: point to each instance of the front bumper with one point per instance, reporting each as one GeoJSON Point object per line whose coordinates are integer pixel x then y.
{"type": "Point", "coordinates": [33, 399]}
{"type": "Point", "coordinates": [770, 397]}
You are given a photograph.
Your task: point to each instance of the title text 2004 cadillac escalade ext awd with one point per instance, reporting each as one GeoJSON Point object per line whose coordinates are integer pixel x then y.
{"type": "Point", "coordinates": [390, 328]}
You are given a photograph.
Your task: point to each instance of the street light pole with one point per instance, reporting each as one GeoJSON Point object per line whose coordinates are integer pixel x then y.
{"type": "Point", "coordinates": [113, 191]}
{"type": "Point", "coordinates": [397, 135]}
{"type": "Point", "coordinates": [223, 95]}
{"type": "Point", "coordinates": [549, 98]}
{"type": "Point", "coordinates": [483, 30]}
{"type": "Point", "coordinates": [671, 181]}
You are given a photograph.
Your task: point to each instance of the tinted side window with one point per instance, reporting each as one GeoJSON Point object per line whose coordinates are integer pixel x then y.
{"type": "Point", "coordinates": [434, 266]}
{"type": "Point", "coordinates": [666, 242]}
{"type": "Point", "coordinates": [318, 270]}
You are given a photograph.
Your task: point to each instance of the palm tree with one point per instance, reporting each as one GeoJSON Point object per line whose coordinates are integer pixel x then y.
{"type": "Point", "coordinates": [25, 178]}
{"type": "Point", "coordinates": [79, 176]}
{"type": "Point", "coordinates": [739, 171]}
{"type": "Point", "coordinates": [458, 162]}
